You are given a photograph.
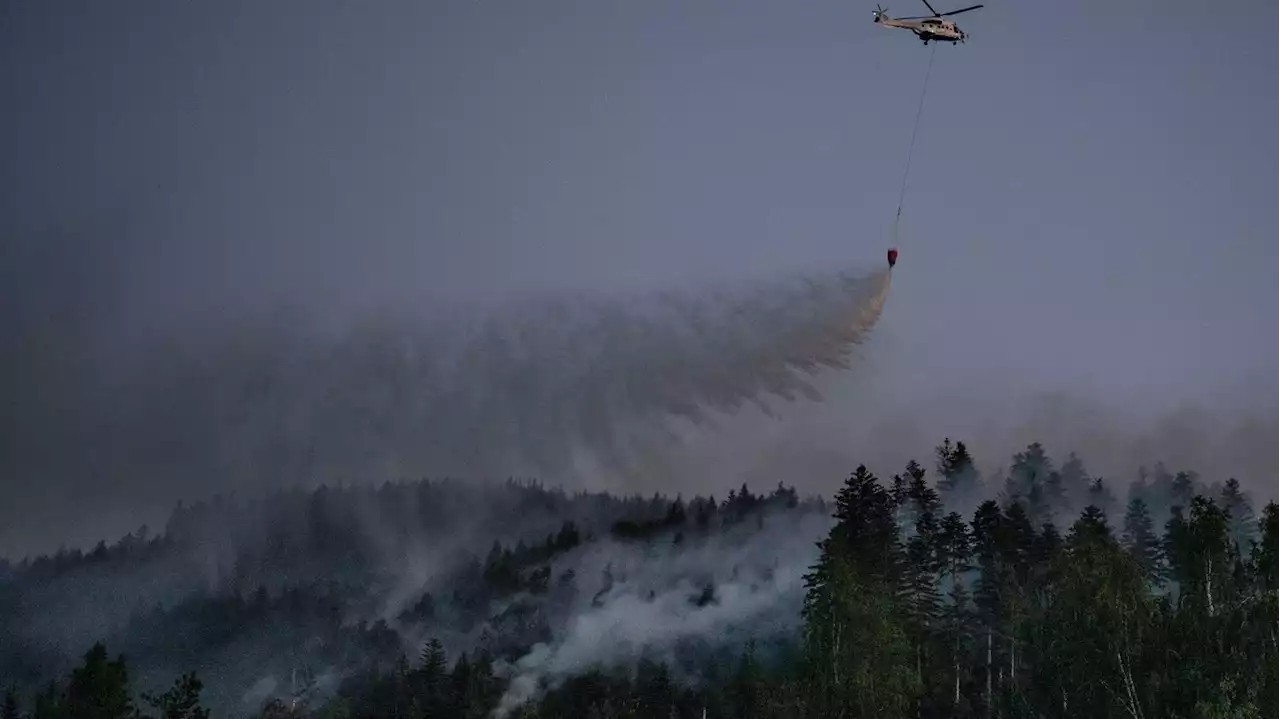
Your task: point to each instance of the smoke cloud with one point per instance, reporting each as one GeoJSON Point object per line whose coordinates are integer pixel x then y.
{"type": "Point", "coordinates": [748, 581]}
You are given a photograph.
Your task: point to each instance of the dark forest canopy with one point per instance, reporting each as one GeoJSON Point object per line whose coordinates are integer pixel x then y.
{"type": "Point", "coordinates": [1041, 592]}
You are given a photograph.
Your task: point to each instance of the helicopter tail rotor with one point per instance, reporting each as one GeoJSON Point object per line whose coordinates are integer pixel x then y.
{"type": "Point", "coordinates": [881, 13]}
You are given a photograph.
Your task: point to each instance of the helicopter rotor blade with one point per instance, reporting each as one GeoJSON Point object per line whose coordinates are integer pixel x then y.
{"type": "Point", "coordinates": [926, 4]}
{"type": "Point", "coordinates": [957, 12]}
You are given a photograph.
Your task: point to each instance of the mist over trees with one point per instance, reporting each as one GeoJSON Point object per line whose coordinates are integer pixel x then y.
{"type": "Point", "coordinates": [1037, 591]}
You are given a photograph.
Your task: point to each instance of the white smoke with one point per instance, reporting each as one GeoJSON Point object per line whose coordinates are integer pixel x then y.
{"type": "Point", "coordinates": [570, 389]}
{"type": "Point", "coordinates": [758, 579]}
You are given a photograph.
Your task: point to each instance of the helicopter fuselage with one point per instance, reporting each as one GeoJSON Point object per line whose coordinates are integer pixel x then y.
{"type": "Point", "coordinates": [927, 29]}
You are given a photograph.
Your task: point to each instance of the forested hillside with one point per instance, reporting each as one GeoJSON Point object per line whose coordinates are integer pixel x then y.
{"type": "Point", "coordinates": [1038, 591]}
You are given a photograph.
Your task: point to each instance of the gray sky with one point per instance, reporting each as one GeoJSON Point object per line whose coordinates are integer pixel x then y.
{"type": "Point", "coordinates": [1089, 208]}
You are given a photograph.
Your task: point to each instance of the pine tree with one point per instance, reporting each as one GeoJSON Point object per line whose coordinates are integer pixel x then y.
{"type": "Point", "coordinates": [99, 689]}
{"type": "Point", "coordinates": [1090, 527]}
{"type": "Point", "coordinates": [1028, 471]}
{"type": "Point", "coordinates": [1141, 541]}
{"type": "Point", "coordinates": [1264, 555]}
{"type": "Point", "coordinates": [1055, 497]}
{"type": "Point", "coordinates": [1038, 508]}
{"type": "Point", "coordinates": [858, 657]}
{"type": "Point", "coordinates": [1074, 479]}
{"type": "Point", "coordinates": [1018, 540]}
{"type": "Point", "coordinates": [1174, 534]}
{"type": "Point", "coordinates": [955, 552]}
{"type": "Point", "coordinates": [433, 674]}
{"type": "Point", "coordinates": [1201, 556]}
{"type": "Point", "coordinates": [1182, 489]}
{"type": "Point", "coordinates": [1094, 625]}
{"type": "Point", "coordinates": [904, 514]}
{"type": "Point", "coordinates": [923, 498]}
{"type": "Point", "coordinates": [1237, 506]}
{"type": "Point", "coordinates": [866, 528]}
{"type": "Point", "coordinates": [707, 513]}
{"type": "Point", "coordinates": [459, 681]}
{"type": "Point", "coordinates": [1017, 546]}
{"type": "Point", "coordinates": [921, 587]}
{"type": "Point", "coordinates": [957, 473]}
{"type": "Point", "coordinates": [675, 514]}
{"type": "Point", "coordinates": [432, 660]}
{"type": "Point", "coordinates": [1046, 548]}
{"type": "Point", "coordinates": [955, 547]}
{"type": "Point", "coordinates": [995, 577]}
{"type": "Point", "coordinates": [1158, 493]}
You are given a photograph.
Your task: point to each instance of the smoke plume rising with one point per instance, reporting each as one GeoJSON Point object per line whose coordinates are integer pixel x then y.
{"type": "Point", "coordinates": [746, 582]}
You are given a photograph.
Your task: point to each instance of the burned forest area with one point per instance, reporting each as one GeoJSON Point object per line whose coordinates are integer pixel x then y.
{"type": "Point", "coordinates": [1036, 591]}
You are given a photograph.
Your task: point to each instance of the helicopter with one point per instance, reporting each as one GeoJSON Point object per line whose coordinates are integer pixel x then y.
{"type": "Point", "coordinates": [927, 27]}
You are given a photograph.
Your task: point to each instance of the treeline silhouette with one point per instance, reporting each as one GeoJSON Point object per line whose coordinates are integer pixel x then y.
{"type": "Point", "coordinates": [1034, 593]}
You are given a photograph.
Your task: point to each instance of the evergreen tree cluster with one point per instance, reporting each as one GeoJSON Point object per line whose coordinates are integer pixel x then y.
{"type": "Point", "coordinates": [1051, 599]}
{"type": "Point", "coordinates": [1004, 615]}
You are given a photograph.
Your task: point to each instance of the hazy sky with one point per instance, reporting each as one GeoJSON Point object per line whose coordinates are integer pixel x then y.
{"type": "Point", "coordinates": [1089, 208]}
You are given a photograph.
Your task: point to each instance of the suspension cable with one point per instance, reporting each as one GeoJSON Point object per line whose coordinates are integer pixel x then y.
{"type": "Point", "coordinates": [902, 193]}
